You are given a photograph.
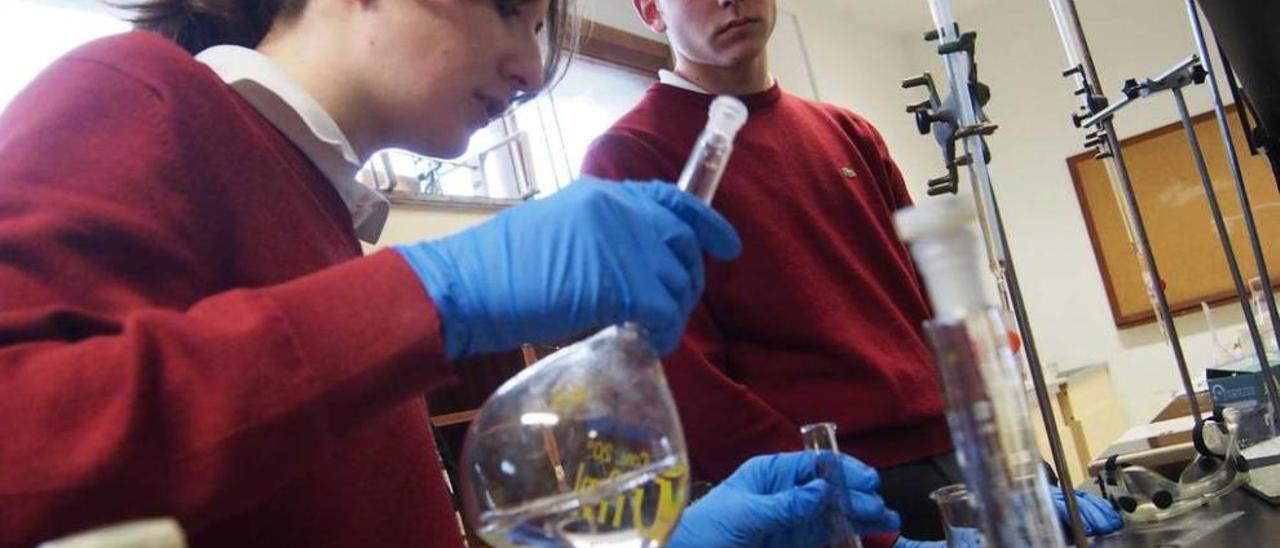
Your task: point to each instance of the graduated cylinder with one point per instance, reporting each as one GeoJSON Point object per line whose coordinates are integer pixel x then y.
{"type": "Point", "coordinates": [982, 379]}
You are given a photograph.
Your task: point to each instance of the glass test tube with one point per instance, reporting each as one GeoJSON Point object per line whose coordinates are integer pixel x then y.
{"type": "Point", "coordinates": [820, 438]}
{"type": "Point", "coordinates": [702, 172]}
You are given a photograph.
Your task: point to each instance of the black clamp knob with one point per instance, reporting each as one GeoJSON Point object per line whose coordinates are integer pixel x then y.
{"type": "Point", "coordinates": [924, 121]}
{"type": "Point", "coordinates": [1199, 74]}
{"type": "Point", "coordinates": [1132, 89]}
{"type": "Point", "coordinates": [945, 184]}
{"type": "Point", "coordinates": [1078, 118]}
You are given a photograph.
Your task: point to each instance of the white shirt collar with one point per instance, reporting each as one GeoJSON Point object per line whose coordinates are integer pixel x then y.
{"type": "Point", "coordinates": [670, 78]}
{"type": "Point", "coordinates": [283, 102]}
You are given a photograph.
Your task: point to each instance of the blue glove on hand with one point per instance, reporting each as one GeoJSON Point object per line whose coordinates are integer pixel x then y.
{"type": "Point", "coordinates": [778, 500]}
{"type": "Point", "coordinates": [961, 536]}
{"type": "Point", "coordinates": [1097, 514]}
{"type": "Point", "coordinates": [594, 254]}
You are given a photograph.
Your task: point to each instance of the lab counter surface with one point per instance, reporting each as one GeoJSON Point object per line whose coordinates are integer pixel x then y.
{"type": "Point", "coordinates": [1238, 520]}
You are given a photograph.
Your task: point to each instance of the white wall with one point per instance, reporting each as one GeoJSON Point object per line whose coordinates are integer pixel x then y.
{"type": "Point", "coordinates": [1020, 56]}
{"type": "Point", "coordinates": [861, 67]}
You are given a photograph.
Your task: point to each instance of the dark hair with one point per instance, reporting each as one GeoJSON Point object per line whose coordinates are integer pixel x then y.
{"type": "Point", "coordinates": [199, 24]}
{"type": "Point", "coordinates": [563, 31]}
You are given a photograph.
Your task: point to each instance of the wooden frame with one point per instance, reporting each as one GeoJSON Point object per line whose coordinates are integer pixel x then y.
{"type": "Point", "coordinates": [619, 47]}
{"type": "Point", "coordinates": [1185, 248]}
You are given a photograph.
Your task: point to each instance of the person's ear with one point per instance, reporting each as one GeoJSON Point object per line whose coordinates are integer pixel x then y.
{"type": "Point", "coordinates": [651, 15]}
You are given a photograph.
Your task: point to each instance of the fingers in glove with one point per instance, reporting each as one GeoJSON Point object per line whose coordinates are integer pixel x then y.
{"type": "Point", "coordinates": [659, 314]}
{"type": "Point", "coordinates": [858, 475]}
{"type": "Point", "coordinates": [864, 506]}
{"type": "Point", "coordinates": [682, 245]}
{"type": "Point", "coordinates": [887, 522]}
{"type": "Point", "coordinates": [714, 233]}
{"type": "Point", "coordinates": [662, 296]}
{"type": "Point", "coordinates": [791, 508]}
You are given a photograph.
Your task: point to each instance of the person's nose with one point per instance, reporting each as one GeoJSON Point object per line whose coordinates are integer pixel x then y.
{"type": "Point", "coordinates": [524, 70]}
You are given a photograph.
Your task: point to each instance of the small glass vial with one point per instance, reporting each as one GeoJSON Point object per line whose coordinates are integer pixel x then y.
{"type": "Point", "coordinates": [820, 438]}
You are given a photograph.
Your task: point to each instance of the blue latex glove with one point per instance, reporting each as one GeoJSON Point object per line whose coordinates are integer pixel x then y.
{"type": "Point", "coordinates": [778, 500]}
{"type": "Point", "coordinates": [594, 254]}
{"type": "Point", "coordinates": [962, 536]}
{"type": "Point", "coordinates": [1098, 515]}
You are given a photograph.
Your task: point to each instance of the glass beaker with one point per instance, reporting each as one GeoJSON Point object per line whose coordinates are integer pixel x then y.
{"type": "Point", "coordinates": [582, 449]}
{"type": "Point", "coordinates": [961, 521]}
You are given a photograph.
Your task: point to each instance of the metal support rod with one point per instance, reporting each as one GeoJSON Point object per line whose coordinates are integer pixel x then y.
{"type": "Point", "coordinates": [1246, 208]}
{"type": "Point", "coordinates": [1224, 237]}
{"type": "Point", "coordinates": [1178, 75]}
{"type": "Point", "coordinates": [1077, 48]}
{"type": "Point", "coordinates": [1107, 113]}
{"type": "Point", "coordinates": [1154, 282]}
{"type": "Point", "coordinates": [957, 65]}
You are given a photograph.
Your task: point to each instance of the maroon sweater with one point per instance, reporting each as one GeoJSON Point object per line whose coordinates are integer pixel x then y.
{"type": "Point", "coordinates": [187, 327]}
{"type": "Point", "coordinates": [820, 319]}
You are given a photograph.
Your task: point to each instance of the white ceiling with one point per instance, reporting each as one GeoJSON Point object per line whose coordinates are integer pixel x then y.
{"type": "Point", "coordinates": [897, 16]}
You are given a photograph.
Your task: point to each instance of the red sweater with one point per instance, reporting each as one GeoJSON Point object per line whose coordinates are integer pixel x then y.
{"type": "Point", "coordinates": [820, 319]}
{"type": "Point", "coordinates": [187, 327]}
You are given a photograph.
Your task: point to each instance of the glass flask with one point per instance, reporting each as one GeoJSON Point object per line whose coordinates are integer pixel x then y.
{"type": "Point", "coordinates": [582, 449]}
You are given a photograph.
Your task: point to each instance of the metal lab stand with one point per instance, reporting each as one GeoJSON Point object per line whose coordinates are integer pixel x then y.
{"type": "Point", "coordinates": [961, 128]}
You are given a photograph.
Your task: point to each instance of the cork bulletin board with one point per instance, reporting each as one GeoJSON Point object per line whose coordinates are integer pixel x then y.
{"type": "Point", "coordinates": [1176, 212]}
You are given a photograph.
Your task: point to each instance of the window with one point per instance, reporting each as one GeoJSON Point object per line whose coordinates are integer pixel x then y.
{"type": "Point", "coordinates": [538, 148]}
{"type": "Point", "coordinates": [25, 27]}
{"type": "Point", "coordinates": [592, 96]}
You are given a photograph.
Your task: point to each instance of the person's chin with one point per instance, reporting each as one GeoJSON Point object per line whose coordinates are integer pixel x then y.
{"type": "Point", "coordinates": [444, 148]}
{"type": "Point", "coordinates": [739, 51]}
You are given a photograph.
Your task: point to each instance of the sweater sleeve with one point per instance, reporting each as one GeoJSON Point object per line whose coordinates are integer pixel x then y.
{"type": "Point", "coordinates": [876, 151]}
{"type": "Point", "coordinates": [130, 388]}
{"type": "Point", "coordinates": [724, 422]}
{"type": "Point", "coordinates": [896, 186]}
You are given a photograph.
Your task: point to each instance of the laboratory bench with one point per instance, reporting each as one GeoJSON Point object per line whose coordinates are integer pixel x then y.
{"type": "Point", "coordinates": [1238, 519]}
